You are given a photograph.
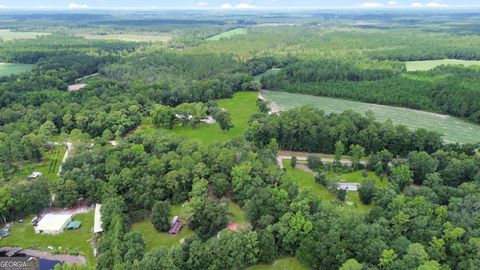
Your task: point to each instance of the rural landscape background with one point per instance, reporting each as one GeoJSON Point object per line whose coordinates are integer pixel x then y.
{"type": "Point", "coordinates": [237, 136]}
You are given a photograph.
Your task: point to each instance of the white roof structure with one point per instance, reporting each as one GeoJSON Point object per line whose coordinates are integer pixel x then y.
{"type": "Point", "coordinates": [97, 222]}
{"type": "Point", "coordinates": [349, 186]}
{"type": "Point", "coordinates": [35, 175]}
{"type": "Point", "coordinates": [53, 223]}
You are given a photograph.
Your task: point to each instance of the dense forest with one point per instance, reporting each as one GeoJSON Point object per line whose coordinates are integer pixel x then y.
{"type": "Point", "coordinates": [424, 216]}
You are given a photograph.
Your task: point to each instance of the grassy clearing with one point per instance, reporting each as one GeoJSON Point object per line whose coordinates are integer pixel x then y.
{"type": "Point", "coordinates": [8, 35]}
{"type": "Point", "coordinates": [238, 216]}
{"type": "Point", "coordinates": [282, 264]}
{"type": "Point", "coordinates": [306, 181]}
{"type": "Point", "coordinates": [241, 108]}
{"type": "Point", "coordinates": [431, 64]}
{"type": "Point", "coordinates": [154, 239]}
{"type": "Point", "coordinates": [7, 69]}
{"type": "Point", "coordinates": [23, 235]}
{"type": "Point", "coordinates": [454, 129]}
{"type": "Point", "coordinates": [49, 168]}
{"type": "Point", "coordinates": [228, 34]}
{"type": "Point", "coordinates": [148, 37]}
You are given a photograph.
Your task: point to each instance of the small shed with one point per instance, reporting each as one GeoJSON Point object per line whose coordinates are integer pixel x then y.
{"type": "Point", "coordinates": [74, 225]}
{"type": "Point", "coordinates": [34, 175]}
{"type": "Point", "coordinates": [53, 223]}
{"type": "Point", "coordinates": [4, 233]}
{"type": "Point", "coordinates": [97, 221]}
{"type": "Point", "coordinates": [176, 226]}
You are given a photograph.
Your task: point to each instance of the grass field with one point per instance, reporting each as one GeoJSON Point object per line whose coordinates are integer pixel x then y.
{"type": "Point", "coordinates": [7, 69]}
{"type": "Point", "coordinates": [454, 129]}
{"type": "Point", "coordinates": [23, 235]}
{"type": "Point", "coordinates": [282, 264]}
{"type": "Point", "coordinates": [272, 71]}
{"type": "Point", "coordinates": [238, 215]}
{"type": "Point", "coordinates": [228, 34]}
{"type": "Point", "coordinates": [148, 37]}
{"type": "Point", "coordinates": [8, 35]}
{"type": "Point", "coordinates": [306, 181]}
{"type": "Point", "coordinates": [49, 168]}
{"type": "Point", "coordinates": [154, 239]}
{"type": "Point", "coordinates": [431, 64]}
{"type": "Point", "coordinates": [241, 108]}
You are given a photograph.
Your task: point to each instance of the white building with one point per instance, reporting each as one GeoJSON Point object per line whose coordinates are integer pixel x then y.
{"type": "Point", "coordinates": [349, 186]}
{"type": "Point", "coordinates": [97, 221]}
{"type": "Point", "coordinates": [53, 223]}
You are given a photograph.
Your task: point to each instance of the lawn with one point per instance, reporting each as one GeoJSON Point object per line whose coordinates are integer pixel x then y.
{"type": "Point", "coordinates": [241, 107]}
{"type": "Point", "coordinates": [228, 34]}
{"type": "Point", "coordinates": [154, 239]}
{"type": "Point", "coordinates": [7, 69]}
{"type": "Point", "coordinates": [282, 264]}
{"type": "Point", "coordinates": [306, 180]}
{"type": "Point", "coordinates": [8, 35]}
{"type": "Point", "coordinates": [23, 235]}
{"type": "Point", "coordinates": [238, 215]}
{"type": "Point", "coordinates": [431, 64]}
{"type": "Point", "coordinates": [49, 168]}
{"type": "Point", "coordinates": [454, 129]}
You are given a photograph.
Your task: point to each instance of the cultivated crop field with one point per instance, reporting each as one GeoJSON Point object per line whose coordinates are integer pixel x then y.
{"type": "Point", "coordinates": [282, 264]}
{"type": "Point", "coordinates": [229, 34]}
{"type": "Point", "coordinates": [454, 129]}
{"type": "Point", "coordinates": [431, 64]}
{"type": "Point", "coordinates": [7, 69]}
{"type": "Point", "coordinates": [161, 37]}
{"type": "Point", "coordinates": [8, 35]}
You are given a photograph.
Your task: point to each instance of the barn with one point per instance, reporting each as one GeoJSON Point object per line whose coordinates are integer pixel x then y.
{"type": "Point", "coordinates": [53, 223]}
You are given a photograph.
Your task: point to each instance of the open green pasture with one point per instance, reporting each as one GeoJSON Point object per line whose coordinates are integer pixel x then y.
{"type": "Point", "coordinates": [431, 64]}
{"type": "Point", "coordinates": [281, 264]}
{"type": "Point", "coordinates": [7, 35]}
{"type": "Point", "coordinates": [454, 129]}
{"type": "Point", "coordinates": [228, 34]}
{"type": "Point", "coordinates": [241, 108]}
{"type": "Point", "coordinates": [23, 235]}
{"type": "Point", "coordinates": [7, 69]}
{"type": "Point", "coordinates": [49, 167]}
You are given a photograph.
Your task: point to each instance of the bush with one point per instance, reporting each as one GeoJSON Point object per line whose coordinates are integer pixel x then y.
{"type": "Point", "coordinates": [321, 178]}
{"type": "Point", "coordinates": [367, 191]}
{"type": "Point", "coordinates": [314, 162]}
{"type": "Point", "coordinates": [293, 161]}
{"type": "Point", "coordinates": [364, 173]}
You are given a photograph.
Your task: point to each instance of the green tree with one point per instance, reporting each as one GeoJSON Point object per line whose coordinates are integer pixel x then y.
{"type": "Point", "coordinates": [224, 120]}
{"type": "Point", "coordinates": [401, 177]}
{"type": "Point", "coordinates": [367, 191]}
{"type": "Point", "coordinates": [163, 116]}
{"type": "Point", "coordinates": [161, 216]}
{"type": "Point", "coordinates": [314, 162]}
{"type": "Point", "coordinates": [293, 161]}
{"type": "Point", "coordinates": [160, 258]}
{"type": "Point", "coordinates": [339, 151]}
{"type": "Point", "coordinates": [421, 164]}
{"type": "Point", "coordinates": [351, 264]}
{"type": "Point", "coordinates": [357, 152]}
{"type": "Point", "coordinates": [66, 193]}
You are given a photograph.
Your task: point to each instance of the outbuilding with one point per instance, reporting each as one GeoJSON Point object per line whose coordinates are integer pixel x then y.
{"type": "Point", "coordinates": [97, 221]}
{"type": "Point", "coordinates": [349, 186]}
{"type": "Point", "coordinates": [53, 223]}
{"type": "Point", "coordinates": [34, 175]}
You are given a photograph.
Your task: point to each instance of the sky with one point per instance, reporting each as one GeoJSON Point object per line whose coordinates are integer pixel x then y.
{"type": "Point", "coordinates": [232, 4]}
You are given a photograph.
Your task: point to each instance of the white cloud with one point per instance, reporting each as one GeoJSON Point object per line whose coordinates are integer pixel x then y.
{"type": "Point", "coordinates": [417, 4]}
{"type": "Point", "coordinates": [436, 5]}
{"type": "Point", "coordinates": [372, 5]}
{"type": "Point", "coordinates": [392, 3]}
{"type": "Point", "coordinates": [2, 7]}
{"type": "Point", "coordinates": [237, 6]}
{"type": "Point", "coordinates": [202, 4]}
{"type": "Point", "coordinates": [226, 6]}
{"type": "Point", "coordinates": [77, 6]}
{"type": "Point", "coordinates": [41, 7]}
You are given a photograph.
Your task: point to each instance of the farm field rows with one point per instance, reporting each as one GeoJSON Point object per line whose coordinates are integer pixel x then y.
{"type": "Point", "coordinates": [161, 37]}
{"type": "Point", "coordinates": [7, 69]}
{"type": "Point", "coordinates": [454, 129]}
{"type": "Point", "coordinates": [431, 64]}
{"type": "Point", "coordinates": [209, 134]}
{"type": "Point", "coordinates": [8, 35]}
{"type": "Point", "coordinates": [228, 34]}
